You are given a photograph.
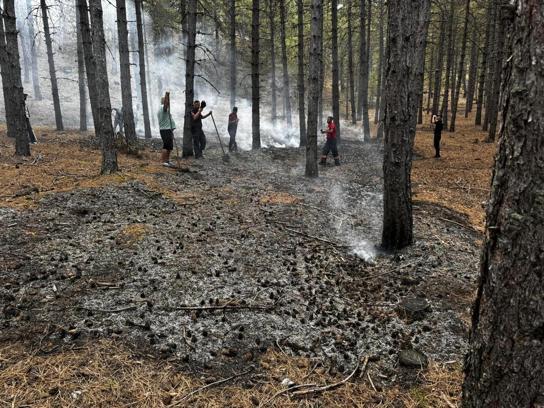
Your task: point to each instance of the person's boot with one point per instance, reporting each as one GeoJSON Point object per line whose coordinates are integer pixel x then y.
{"type": "Point", "coordinates": [323, 162]}
{"type": "Point", "coordinates": [337, 162]}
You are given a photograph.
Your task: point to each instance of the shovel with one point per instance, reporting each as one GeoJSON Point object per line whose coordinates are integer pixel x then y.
{"type": "Point", "coordinates": [226, 157]}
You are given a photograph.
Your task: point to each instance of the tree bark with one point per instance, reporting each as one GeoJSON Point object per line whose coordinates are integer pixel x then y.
{"type": "Point", "coordinates": [232, 34]}
{"type": "Point", "coordinates": [335, 74]}
{"type": "Point", "coordinates": [380, 63]}
{"type": "Point", "coordinates": [105, 128]}
{"type": "Point", "coordinates": [321, 73]}
{"type": "Point", "coordinates": [33, 53]}
{"type": "Point", "coordinates": [473, 69]}
{"type": "Point", "coordinates": [286, 87]}
{"type": "Point", "coordinates": [461, 70]}
{"type": "Point", "coordinates": [504, 366]}
{"type": "Point", "coordinates": [255, 85]}
{"type": "Point", "coordinates": [439, 65]}
{"type": "Point", "coordinates": [351, 79]}
{"type": "Point", "coordinates": [449, 65]}
{"type": "Point", "coordinates": [430, 79]}
{"type": "Point", "coordinates": [81, 75]}
{"type": "Point", "coordinates": [483, 67]}
{"type": "Point", "coordinates": [52, 70]}
{"type": "Point", "coordinates": [363, 72]}
{"type": "Point", "coordinates": [143, 67]}
{"type": "Point", "coordinates": [403, 84]}
{"type": "Point", "coordinates": [499, 56]}
{"type": "Point", "coordinates": [24, 52]}
{"type": "Point", "coordinates": [126, 86]}
{"type": "Point", "coordinates": [300, 77]}
{"type": "Point", "coordinates": [490, 63]}
{"type": "Point", "coordinates": [11, 80]}
{"type": "Point", "coordinates": [273, 90]}
{"type": "Point", "coordinates": [192, 9]}
{"type": "Point", "coordinates": [313, 86]}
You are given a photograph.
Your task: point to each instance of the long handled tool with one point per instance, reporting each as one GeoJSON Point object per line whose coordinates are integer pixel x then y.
{"type": "Point", "coordinates": [226, 157]}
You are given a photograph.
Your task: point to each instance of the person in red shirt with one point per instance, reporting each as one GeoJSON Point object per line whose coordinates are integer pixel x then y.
{"type": "Point", "coordinates": [330, 144]}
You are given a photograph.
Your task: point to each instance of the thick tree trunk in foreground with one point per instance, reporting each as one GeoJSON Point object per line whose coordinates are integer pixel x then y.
{"type": "Point", "coordinates": [11, 79]}
{"type": "Point", "coordinates": [255, 85]}
{"type": "Point", "coordinates": [403, 84]}
{"type": "Point", "coordinates": [33, 52]}
{"type": "Point", "coordinates": [232, 56]}
{"type": "Point", "coordinates": [81, 75]}
{"type": "Point", "coordinates": [126, 87]}
{"type": "Point", "coordinates": [143, 68]}
{"type": "Point", "coordinates": [52, 70]}
{"type": "Point", "coordinates": [313, 86]}
{"type": "Point", "coordinates": [274, 107]}
{"type": "Point", "coordinates": [461, 70]}
{"type": "Point", "coordinates": [493, 105]}
{"type": "Point", "coordinates": [189, 77]}
{"type": "Point", "coordinates": [286, 87]}
{"type": "Point", "coordinates": [335, 74]}
{"type": "Point", "coordinates": [105, 128]}
{"type": "Point", "coordinates": [504, 365]}
{"type": "Point", "coordinates": [300, 77]}
{"type": "Point", "coordinates": [351, 79]}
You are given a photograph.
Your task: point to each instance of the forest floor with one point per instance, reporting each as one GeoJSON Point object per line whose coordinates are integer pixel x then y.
{"type": "Point", "coordinates": [143, 287]}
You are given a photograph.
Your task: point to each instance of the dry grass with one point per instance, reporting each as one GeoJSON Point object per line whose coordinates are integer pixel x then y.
{"type": "Point", "coordinates": [107, 374]}
{"type": "Point", "coordinates": [279, 198]}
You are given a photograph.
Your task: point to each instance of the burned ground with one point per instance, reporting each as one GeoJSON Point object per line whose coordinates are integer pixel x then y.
{"type": "Point", "coordinates": [214, 266]}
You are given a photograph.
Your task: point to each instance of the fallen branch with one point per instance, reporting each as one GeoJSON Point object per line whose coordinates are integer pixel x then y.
{"type": "Point", "coordinates": [177, 404]}
{"type": "Point", "coordinates": [225, 307]}
{"type": "Point", "coordinates": [273, 397]}
{"type": "Point", "coordinates": [294, 231]}
{"type": "Point", "coordinates": [329, 387]}
{"type": "Point", "coordinates": [458, 223]}
{"type": "Point", "coordinates": [123, 309]}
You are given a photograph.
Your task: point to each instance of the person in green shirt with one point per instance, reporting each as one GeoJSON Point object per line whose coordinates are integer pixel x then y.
{"type": "Point", "coordinates": [167, 127]}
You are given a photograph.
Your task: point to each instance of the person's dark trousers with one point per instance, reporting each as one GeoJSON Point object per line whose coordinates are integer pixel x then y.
{"type": "Point", "coordinates": [31, 135]}
{"type": "Point", "coordinates": [233, 147]}
{"type": "Point", "coordinates": [437, 137]}
{"type": "Point", "coordinates": [330, 147]}
{"type": "Point", "coordinates": [199, 143]}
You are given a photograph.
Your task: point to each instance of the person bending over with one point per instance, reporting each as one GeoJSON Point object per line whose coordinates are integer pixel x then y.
{"type": "Point", "coordinates": [330, 144]}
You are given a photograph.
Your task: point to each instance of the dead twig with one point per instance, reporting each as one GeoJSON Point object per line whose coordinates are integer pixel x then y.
{"type": "Point", "coordinates": [326, 241]}
{"type": "Point", "coordinates": [225, 307]}
{"type": "Point", "coordinates": [189, 395]}
{"type": "Point", "coordinates": [123, 309]}
{"type": "Point", "coordinates": [290, 389]}
{"type": "Point", "coordinates": [469, 227]}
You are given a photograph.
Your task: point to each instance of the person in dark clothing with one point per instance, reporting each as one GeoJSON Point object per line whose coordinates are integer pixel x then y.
{"type": "Point", "coordinates": [232, 128]}
{"type": "Point", "coordinates": [199, 138]}
{"type": "Point", "coordinates": [330, 144]}
{"type": "Point", "coordinates": [30, 132]}
{"type": "Point", "coordinates": [438, 126]}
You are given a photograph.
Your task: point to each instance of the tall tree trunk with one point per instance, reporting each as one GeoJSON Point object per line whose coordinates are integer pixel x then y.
{"type": "Point", "coordinates": [381, 123]}
{"type": "Point", "coordinates": [403, 84]}
{"type": "Point", "coordinates": [24, 54]}
{"type": "Point", "coordinates": [439, 65]}
{"type": "Point", "coordinates": [52, 70]}
{"type": "Point", "coordinates": [335, 74]}
{"type": "Point", "coordinates": [482, 80]}
{"type": "Point", "coordinates": [105, 128]}
{"type": "Point", "coordinates": [473, 69]}
{"type": "Point", "coordinates": [286, 88]}
{"type": "Point", "coordinates": [368, 41]}
{"type": "Point", "coordinates": [504, 366]}
{"type": "Point", "coordinates": [192, 9]}
{"type": "Point", "coordinates": [313, 86]}
{"type": "Point", "coordinates": [300, 77]}
{"type": "Point", "coordinates": [491, 59]}
{"type": "Point", "coordinates": [461, 73]}
{"type": "Point", "coordinates": [321, 74]}
{"type": "Point", "coordinates": [273, 60]}
{"type": "Point", "coordinates": [33, 52]}
{"type": "Point", "coordinates": [449, 64]}
{"type": "Point", "coordinates": [148, 78]}
{"type": "Point", "coordinates": [255, 84]}
{"type": "Point", "coordinates": [380, 63]}
{"type": "Point", "coordinates": [81, 75]}
{"type": "Point", "coordinates": [143, 67]}
{"type": "Point", "coordinates": [351, 78]}
{"type": "Point", "coordinates": [232, 35]}
{"type": "Point", "coordinates": [499, 56]}
{"type": "Point", "coordinates": [363, 72]}
{"type": "Point", "coordinates": [126, 87]}
{"type": "Point", "coordinates": [11, 80]}
{"type": "Point", "coordinates": [430, 79]}
{"type": "Point", "coordinates": [90, 64]}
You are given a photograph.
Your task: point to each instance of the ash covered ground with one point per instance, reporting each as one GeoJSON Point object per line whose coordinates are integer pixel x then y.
{"type": "Point", "coordinates": [253, 256]}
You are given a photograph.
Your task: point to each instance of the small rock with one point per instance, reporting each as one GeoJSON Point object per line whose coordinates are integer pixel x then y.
{"type": "Point", "coordinates": [413, 359]}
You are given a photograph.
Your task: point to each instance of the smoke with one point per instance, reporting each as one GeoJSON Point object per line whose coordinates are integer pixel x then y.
{"type": "Point", "coordinates": [358, 223]}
